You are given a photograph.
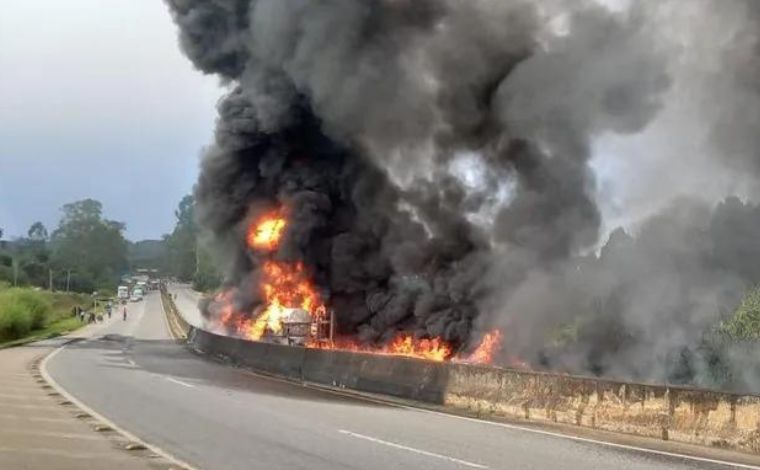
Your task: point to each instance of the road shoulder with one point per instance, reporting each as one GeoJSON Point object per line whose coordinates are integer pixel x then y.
{"type": "Point", "coordinates": [40, 427]}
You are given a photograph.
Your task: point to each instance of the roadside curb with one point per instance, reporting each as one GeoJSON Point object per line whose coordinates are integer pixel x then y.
{"type": "Point", "coordinates": [41, 367]}
{"type": "Point", "coordinates": [33, 339]}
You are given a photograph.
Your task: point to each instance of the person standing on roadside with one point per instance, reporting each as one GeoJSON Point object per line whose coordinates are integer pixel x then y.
{"type": "Point", "coordinates": [124, 312]}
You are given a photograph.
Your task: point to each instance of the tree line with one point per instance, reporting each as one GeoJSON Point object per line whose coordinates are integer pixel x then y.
{"type": "Point", "coordinates": [185, 257]}
{"type": "Point", "coordinates": [88, 252]}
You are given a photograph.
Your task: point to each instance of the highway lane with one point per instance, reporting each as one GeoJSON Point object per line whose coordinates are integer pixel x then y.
{"type": "Point", "coordinates": [219, 417]}
{"type": "Point", "coordinates": [186, 301]}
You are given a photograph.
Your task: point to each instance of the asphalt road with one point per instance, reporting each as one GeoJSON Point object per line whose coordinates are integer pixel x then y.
{"type": "Point", "coordinates": [218, 417]}
{"type": "Point", "coordinates": [186, 301]}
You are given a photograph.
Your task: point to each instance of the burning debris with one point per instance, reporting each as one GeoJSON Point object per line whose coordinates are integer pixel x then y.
{"type": "Point", "coordinates": [416, 176]}
{"type": "Point", "coordinates": [292, 311]}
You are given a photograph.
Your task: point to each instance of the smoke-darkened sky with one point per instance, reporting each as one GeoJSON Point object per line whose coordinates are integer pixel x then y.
{"type": "Point", "coordinates": [96, 100]}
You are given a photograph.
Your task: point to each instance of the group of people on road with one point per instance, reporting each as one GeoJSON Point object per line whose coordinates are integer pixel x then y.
{"type": "Point", "coordinates": [87, 316]}
{"type": "Point", "coordinates": [91, 316]}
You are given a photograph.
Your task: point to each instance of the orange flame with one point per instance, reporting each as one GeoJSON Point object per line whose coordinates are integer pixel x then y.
{"type": "Point", "coordinates": [266, 234]}
{"type": "Point", "coordinates": [287, 286]}
{"type": "Point", "coordinates": [486, 350]}
{"type": "Point", "coordinates": [403, 344]}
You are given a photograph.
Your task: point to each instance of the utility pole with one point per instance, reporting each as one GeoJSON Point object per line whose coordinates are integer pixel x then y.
{"type": "Point", "coordinates": [68, 279]}
{"type": "Point", "coordinates": [15, 272]}
{"type": "Point", "coordinates": [50, 279]}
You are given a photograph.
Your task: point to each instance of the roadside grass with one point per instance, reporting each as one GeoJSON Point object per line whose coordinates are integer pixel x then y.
{"type": "Point", "coordinates": [28, 315]}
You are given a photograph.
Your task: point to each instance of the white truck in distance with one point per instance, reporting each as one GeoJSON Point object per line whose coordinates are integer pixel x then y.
{"type": "Point", "coordinates": [123, 293]}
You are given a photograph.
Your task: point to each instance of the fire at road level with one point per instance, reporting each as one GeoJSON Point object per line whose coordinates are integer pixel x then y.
{"type": "Point", "coordinates": [293, 308]}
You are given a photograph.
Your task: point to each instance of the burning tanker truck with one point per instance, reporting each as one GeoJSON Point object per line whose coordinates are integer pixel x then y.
{"type": "Point", "coordinates": [292, 311]}
{"type": "Point", "coordinates": [386, 175]}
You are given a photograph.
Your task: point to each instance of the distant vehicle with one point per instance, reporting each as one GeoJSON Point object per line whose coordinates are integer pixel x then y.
{"type": "Point", "coordinates": [137, 295]}
{"type": "Point", "coordinates": [123, 292]}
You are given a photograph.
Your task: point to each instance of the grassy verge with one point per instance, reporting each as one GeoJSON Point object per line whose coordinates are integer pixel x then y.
{"type": "Point", "coordinates": [28, 315]}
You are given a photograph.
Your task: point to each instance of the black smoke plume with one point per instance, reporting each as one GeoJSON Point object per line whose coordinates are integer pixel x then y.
{"type": "Point", "coordinates": [357, 115]}
{"type": "Point", "coordinates": [435, 160]}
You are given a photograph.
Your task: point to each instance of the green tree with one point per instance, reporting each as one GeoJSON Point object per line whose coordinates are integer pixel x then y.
{"type": "Point", "coordinates": [744, 324]}
{"type": "Point", "coordinates": [181, 244]}
{"type": "Point", "coordinates": [206, 276]}
{"type": "Point", "coordinates": [186, 257]}
{"type": "Point", "coordinates": [33, 255]}
{"type": "Point", "coordinates": [37, 232]}
{"type": "Point", "coordinates": [90, 246]}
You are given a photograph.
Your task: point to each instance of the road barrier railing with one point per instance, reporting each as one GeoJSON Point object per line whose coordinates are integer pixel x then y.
{"type": "Point", "coordinates": [702, 417]}
{"type": "Point", "coordinates": [178, 326]}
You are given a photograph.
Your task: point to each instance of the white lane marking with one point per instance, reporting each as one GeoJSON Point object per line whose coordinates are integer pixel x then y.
{"type": "Point", "coordinates": [128, 435]}
{"type": "Point", "coordinates": [131, 363]}
{"type": "Point", "coordinates": [184, 384]}
{"type": "Point", "coordinates": [588, 440]}
{"type": "Point", "coordinates": [411, 449]}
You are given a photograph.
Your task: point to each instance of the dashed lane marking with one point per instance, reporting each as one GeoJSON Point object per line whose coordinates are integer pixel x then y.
{"type": "Point", "coordinates": [179, 382]}
{"type": "Point", "coordinates": [412, 449]}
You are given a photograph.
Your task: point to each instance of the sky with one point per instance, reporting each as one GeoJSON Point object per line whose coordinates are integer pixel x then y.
{"type": "Point", "coordinates": [97, 101]}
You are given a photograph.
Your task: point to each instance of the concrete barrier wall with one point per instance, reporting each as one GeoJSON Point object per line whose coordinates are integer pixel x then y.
{"type": "Point", "coordinates": [401, 377]}
{"type": "Point", "coordinates": [672, 413]}
{"type": "Point", "coordinates": [177, 324]}
{"type": "Point", "coordinates": [405, 378]}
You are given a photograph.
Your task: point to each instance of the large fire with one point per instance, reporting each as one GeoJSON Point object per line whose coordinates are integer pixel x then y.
{"type": "Point", "coordinates": [286, 286]}
{"type": "Point", "coordinates": [266, 233]}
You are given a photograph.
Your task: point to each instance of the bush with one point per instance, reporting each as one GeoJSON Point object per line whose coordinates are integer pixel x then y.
{"type": "Point", "coordinates": [744, 324]}
{"type": "Point", "coordinates": [22, 310]}
{"type": "Point", "coordinates": [15, 321]}
{"type": "Point", "coordinates": [6, 274]}
{"type": "Point", "coordinates": [36, 304]}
